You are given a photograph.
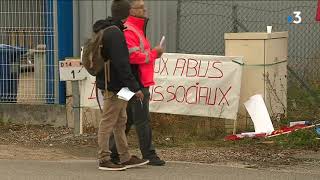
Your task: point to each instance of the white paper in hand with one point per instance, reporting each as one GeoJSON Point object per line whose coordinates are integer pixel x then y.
{"type": "Point", "coordinates": [162, 41]}
{"type": "Point", "coordinates": [125, 94]}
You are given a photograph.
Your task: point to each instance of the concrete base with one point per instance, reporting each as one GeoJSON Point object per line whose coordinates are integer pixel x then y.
{"type": "Point", "coordinates": [33, 114]}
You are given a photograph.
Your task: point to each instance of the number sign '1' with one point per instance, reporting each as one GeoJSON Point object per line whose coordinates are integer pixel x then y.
{"type": "Point", "coordinates": [72, 70]}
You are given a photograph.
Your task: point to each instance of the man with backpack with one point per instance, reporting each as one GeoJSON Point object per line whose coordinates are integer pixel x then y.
{"type": "Point", "coordinates": [142, 58]}
{"type": "Point", "coordinates": [115, 75]}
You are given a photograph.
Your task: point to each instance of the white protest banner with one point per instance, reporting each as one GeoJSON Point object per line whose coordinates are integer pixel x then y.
{"type": "Point", "coordinates": [198, 85]}
{"type": "Point", "coordinates": [186, 84]}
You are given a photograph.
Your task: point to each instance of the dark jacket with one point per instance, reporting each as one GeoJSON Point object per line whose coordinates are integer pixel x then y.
{"type": "Point", "coordinates": [115, 49]}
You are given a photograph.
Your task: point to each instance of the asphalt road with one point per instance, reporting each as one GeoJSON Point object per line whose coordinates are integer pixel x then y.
{"type": "Point", "coordinates": [87, 170]}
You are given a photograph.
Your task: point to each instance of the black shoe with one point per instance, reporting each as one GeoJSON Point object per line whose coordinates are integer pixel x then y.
{"type": "Point", "coordinates": [156, 161]}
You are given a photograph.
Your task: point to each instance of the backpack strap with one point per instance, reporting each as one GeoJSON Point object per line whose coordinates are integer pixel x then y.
{"type": "Point", "coordinates": [107, 71]}
{"type": "Point", "coordinates": [97, 97]}
{"type": "Point", "coordinates": [107, 79]}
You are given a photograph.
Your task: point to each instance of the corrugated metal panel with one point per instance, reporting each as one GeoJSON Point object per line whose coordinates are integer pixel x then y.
{"type": "Point", "coordinates": [163, 21]}
{"type": "Point", "coordinates": [86, 12]}
{"type": "Point", "coordinates": [163, 18]}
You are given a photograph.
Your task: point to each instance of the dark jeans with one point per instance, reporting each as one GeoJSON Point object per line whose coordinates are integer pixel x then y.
{"type": "Point", "coordinates": [139, 116]}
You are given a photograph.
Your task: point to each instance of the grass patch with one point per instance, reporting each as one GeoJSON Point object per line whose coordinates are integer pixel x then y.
{"type": "Point", "coordinates": [300, 139]}
{"type": "Point", "coordinates": [4, 122]}
{"type": "Point", "coordinates": [305, 139]}
{"type": "Point", "coordinates": [301, 105]}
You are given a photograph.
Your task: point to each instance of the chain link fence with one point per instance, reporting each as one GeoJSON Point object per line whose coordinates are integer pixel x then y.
{"type": "Point", "coordinates": [202, 24]}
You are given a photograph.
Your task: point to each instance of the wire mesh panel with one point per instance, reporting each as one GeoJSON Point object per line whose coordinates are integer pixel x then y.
{"type": "Point", "coordinates": [27, 53]}
{"type": "Point", "coordinates": [202, 25]}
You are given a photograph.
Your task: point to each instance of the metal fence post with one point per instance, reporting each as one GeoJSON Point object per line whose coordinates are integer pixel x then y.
{"type": "Point", "coordinates": [40, 72]}
{"type": "Point", "coordinates": [178, 26]}
{"type": "Point", "coordinates": [76, 106]}
{"type": "Point", "coordinates": [235, 18]}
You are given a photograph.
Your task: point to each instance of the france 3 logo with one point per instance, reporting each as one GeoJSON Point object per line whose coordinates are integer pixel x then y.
{"type": "Point", "coordinates": [295, 18]}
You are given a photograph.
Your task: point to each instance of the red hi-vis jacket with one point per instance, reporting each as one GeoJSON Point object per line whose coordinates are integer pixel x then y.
{"type": "Point", "coordinates": [140, 49]}
{"type": "Point", "coordinates": [318, 12]}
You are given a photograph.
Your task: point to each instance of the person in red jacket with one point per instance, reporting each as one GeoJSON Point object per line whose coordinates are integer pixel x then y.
{"type": "Point", "coordinates": [142, 58]}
